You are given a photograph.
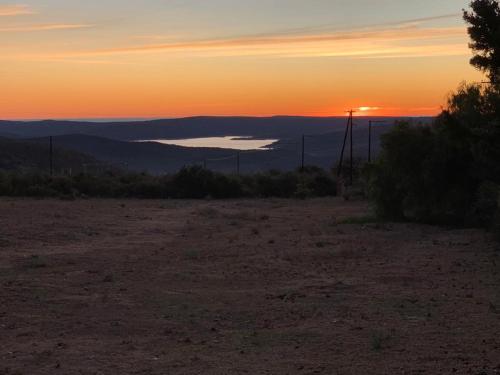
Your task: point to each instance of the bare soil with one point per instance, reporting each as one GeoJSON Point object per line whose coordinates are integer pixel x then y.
{"type": "Point", "coordinates": [241, 287]}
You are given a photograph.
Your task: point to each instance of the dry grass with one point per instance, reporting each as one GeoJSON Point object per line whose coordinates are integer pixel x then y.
{"type": "Point", "coordinates": [233, 287]}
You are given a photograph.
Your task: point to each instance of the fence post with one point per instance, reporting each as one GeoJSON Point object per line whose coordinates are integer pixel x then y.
{"type": "Point", "coordinates": [51, 156]}
{"type": "Point", "coordinates": [303, 153]}
{"type": "Point", "coordinates": [238, 163]}
{"type": "Point", "coordinates": [370, 141]}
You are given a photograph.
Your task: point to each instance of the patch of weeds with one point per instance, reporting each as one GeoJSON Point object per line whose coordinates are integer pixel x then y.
{"type": "Point", "coordinates": [255, 231]}
{"type": "Point", "coordinates": [68, 197]}
{"type": "Point", "coordinates": [258, 341]}
{"type": "Point", "coordinates": [35, 262]}
{"type": "Point", "coordinates": [239, 215]}
{"type": "Point", "coordinates": [208, 212]}
{"type": "Point", "coordinates": [4, 242]}
{"type": "Point", "coordinates": [192, 254]}
{"type": "Point", "coordinates": [264, 217]}
{"type": "Point", "coordinates": [379, 340]}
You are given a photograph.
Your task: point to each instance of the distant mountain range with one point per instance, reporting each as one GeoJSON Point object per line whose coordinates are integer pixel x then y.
{"type": "Point", "coordinates": [112, 143]}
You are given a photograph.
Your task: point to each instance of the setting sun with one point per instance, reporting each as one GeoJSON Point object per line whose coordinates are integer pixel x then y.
{"type": "Point", "coordinates": [161, 60]}
{"type": "Point", "coordinates": [365, 109]}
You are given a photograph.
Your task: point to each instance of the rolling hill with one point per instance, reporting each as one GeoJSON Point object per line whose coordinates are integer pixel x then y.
{"type": "Point", "coordinates": [115, 143]}
{"type": "Point", "coordinates": [34, 156]}
{"type": "Point", "coordinates": [193, 127]}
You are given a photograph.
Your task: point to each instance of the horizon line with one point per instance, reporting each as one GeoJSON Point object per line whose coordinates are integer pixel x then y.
{"type": "Point", "coordinates": [148, 119]}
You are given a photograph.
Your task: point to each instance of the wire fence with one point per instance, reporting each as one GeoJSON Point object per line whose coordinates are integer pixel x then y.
{"type": "Point", "coordinates": [304, 152]}
{"type": "Point", "coordinates": [309, 149]}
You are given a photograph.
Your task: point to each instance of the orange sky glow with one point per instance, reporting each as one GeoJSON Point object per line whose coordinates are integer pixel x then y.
{"type": "Point", "coordinates": [71, 62]}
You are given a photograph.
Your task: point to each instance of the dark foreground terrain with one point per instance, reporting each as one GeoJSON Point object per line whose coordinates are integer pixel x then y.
{"type": "Point", "coordinates": [241, 287]}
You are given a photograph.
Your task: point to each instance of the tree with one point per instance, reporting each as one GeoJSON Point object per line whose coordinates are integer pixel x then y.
{"type": "Point", "coordinates": [449, 172]}
{"type": "Point", "coordinates": [484, 30]}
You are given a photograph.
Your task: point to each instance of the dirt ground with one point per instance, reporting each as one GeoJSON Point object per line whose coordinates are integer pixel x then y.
{"type": "Point", "coordinates": [241, 287]}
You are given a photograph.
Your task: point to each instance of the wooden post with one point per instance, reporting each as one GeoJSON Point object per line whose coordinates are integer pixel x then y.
{"type": "Point", "coordinates": [370, 141]}
{"type": "Point", "coordinates": [51, 156]}
{"type": "Point", "coordinates": [303, 153]}
{"type": "Point", "coordinates": [238, 163]}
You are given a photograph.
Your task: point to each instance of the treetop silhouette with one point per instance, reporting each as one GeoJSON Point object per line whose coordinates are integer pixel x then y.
{"type": "Point", "coordinates": [484, 30]}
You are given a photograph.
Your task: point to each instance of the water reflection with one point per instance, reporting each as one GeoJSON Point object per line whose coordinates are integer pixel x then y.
{"type": "Point", "coordinates": [230, 142]}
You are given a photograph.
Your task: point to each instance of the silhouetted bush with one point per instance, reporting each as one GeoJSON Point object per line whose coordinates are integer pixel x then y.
{"type": "Point", "coordinates": [103, 186]}
{"type": "Point", "coordinates": [188, 183]}
{"type": "Point", "coordinates": [424, 173]}
{"type": "Point", "coordinates": [447, 172]}
{"type": "Point", "coordinates": [197, 182]}
{"type": "Point", "coordinates": [486, 205]}
{"type": "Point", "coordinates": [275, 184]}
{"type": "Point", "coordinates": [319, 182]}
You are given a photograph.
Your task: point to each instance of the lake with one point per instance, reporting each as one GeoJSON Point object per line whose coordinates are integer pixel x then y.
{"type": "Point", "coordinates": [230, 142]}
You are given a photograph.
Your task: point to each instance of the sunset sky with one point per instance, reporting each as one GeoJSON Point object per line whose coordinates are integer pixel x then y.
{"type": "Point", "coordinates": [170, 58]}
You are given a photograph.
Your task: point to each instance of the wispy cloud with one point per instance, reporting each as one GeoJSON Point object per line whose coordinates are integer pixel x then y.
{"type": "Point", "coordinates": [278, 40]}
{"type": "Point", "coordinates": [415, 22]}
{"type": "Point", "coordinates": [14, 10]}
{"type": "Point", "coordinates": [410, 38]}
{"type": "Point", "coordinates": [395, 41]}
{"type": "Point", "coordinates": [44, 27]}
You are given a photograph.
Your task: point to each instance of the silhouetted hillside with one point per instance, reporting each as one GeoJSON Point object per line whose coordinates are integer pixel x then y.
{"type": "Point", "coordinates": [138, 156]}
{"type": "Point", "coordinates": [320, 150]}
{"type": "Point", "coordinates": [193, 127]}
{"type": "Point", "coordinates": [111, 142]}
{"type": "Point", "coordinates": [34, 156]}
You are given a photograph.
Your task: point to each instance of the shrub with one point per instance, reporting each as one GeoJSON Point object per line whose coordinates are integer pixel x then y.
{"type": "Point", "coordinates": [443, 173]}
{"type": "Point", "coordinates": [192, 183]}
{"type": "Point", "coordinates": [197, 182]}
{"type": "Point", "coordinates": [275, 184]}
{"type": "Point", "coordinates": [320, 183]}
{"type": "Point", "coordinates": [148, 189]}
{"type": "Point", "coordinates": [62, 185]}
{"type": "Point", "coordinates": [5, 184]}
{"type": "Point", "coordinates": [398, 186]}
{"type": "Point", "coordinates": [103, 186]}
{"type": "Point", "coordinates": [486, 205]}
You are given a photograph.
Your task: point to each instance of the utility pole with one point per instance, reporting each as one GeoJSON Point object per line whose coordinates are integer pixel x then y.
{"type": "Point", "coordinates": [303, 152]}
{"type": "Point", "coordinates": [352, 153]}
{"type": "Point", "coordinates": [348, 127]}
{"type": "Point", "coordinates": [370, 141]}
{"type": "Point", "coordinates": [51, 156]}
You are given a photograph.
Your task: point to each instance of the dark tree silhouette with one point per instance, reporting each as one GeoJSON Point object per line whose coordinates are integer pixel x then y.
{"type": "Point", "coordinates": [484, 30]}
